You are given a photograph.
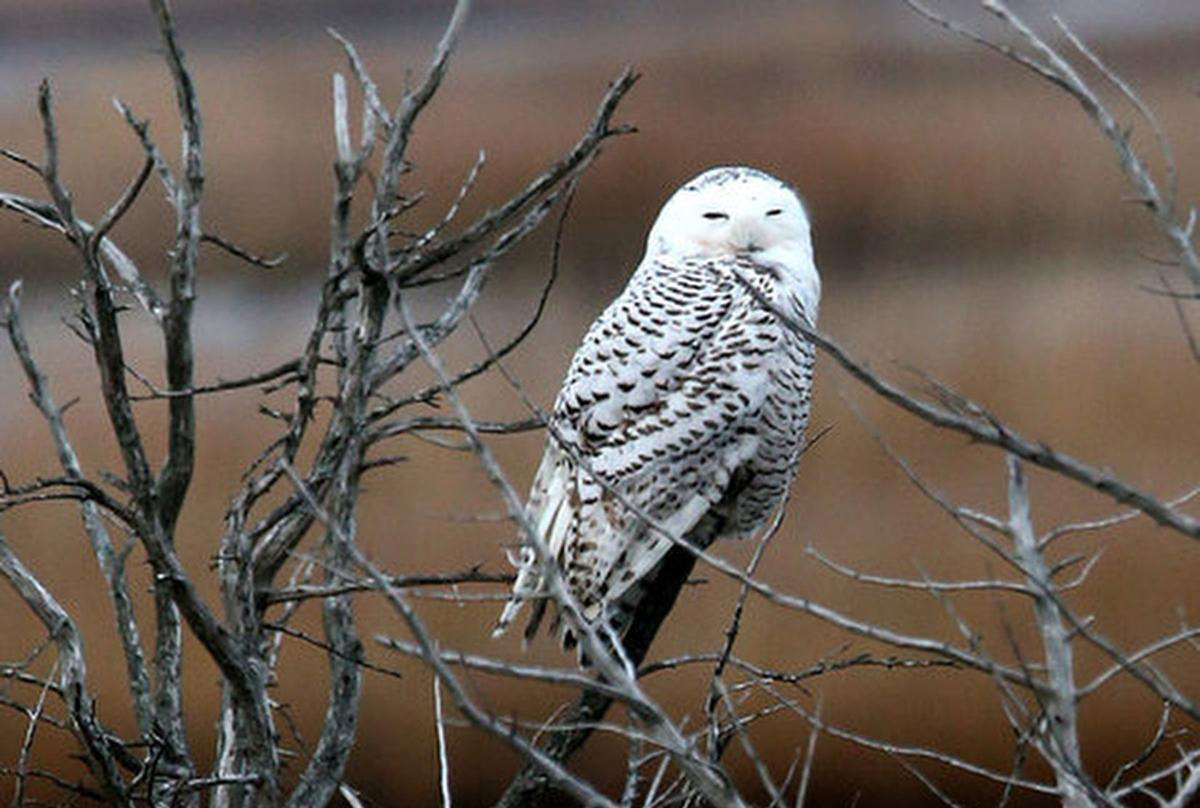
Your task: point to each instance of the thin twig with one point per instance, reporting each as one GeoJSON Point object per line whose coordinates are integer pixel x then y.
{"type": "Point", "coordinates": [442, 756]}
{"type": "Point", "coordinates": [242, 253]}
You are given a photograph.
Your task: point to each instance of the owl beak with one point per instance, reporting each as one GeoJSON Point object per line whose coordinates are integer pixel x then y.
{"type": "Point", "coordinates": [745, 234]}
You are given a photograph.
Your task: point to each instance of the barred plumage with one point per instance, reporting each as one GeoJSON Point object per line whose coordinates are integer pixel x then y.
{"type": "Point", "coordinates": [687, 401]}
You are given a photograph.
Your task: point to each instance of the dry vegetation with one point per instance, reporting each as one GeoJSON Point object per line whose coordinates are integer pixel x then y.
{"type": "Point", "coordinates": [967, 221]}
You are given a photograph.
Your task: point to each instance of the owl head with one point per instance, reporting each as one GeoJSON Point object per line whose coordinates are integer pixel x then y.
{"type": "Point", "coordinates": [729, 211]}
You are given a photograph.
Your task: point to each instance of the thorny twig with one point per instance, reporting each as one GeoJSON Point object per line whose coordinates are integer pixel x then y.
{"type": "Point", "coordinates": [371, 269]}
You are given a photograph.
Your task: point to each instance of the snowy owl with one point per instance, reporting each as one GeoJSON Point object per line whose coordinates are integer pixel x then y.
{"type": "Point", "coordinates": [687, 402]}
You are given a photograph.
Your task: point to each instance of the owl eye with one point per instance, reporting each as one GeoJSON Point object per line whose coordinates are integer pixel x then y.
{"type": "Point", "coordinates": [774, 211]}
{"type": "Point", "coordinates": [713, 214]}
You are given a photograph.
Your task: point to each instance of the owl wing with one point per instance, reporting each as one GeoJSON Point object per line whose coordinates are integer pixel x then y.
{"type": "Point", "coordinates": [656, 412]}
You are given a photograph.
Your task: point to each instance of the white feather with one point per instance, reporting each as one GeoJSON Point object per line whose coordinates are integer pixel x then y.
{"type": "Point", "coordinates": [682, 385]}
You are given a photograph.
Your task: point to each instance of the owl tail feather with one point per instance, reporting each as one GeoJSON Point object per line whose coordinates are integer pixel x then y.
{"type": "Point", "coordinates": [511, 609]}
{"type": "Point", "coordinates": [525, 589]}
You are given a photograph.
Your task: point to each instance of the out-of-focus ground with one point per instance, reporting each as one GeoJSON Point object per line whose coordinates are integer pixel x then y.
{"type": "Point", "coordinates": [969, 222]}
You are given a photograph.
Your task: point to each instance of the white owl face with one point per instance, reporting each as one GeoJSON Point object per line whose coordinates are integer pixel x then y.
{"type": "Point", "coordinates": [731, 210]}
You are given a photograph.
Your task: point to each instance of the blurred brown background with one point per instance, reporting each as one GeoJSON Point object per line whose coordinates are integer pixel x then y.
{"type": "Point", "coordinates": [969, 221]}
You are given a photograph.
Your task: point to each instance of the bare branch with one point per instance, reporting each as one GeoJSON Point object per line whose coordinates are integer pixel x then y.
{"type": "Point", "coordinates": [371, 100]}
{"type": "Point", "coordinates": [120, 207]}
{"type": "Point", "coordinates": [46, 215]}
{"type": "Point", "coordinates": [73, 671]}
{"type": "Point", "coordinates": [1151, 747]}
{"type": "Point", "coordinates": [443, 758]}
{"type": "Point", "coordinates": [242, 253]}
{"type": "Point", "coordinates": [809, 757]}
{"type": "Point", "coordinates": [1062, 751]}
{"type": "Point", "coordinates": [987, 585]}
{"type": "Point", "coordinates": [176, 474]}
{"type": "Point", "coordinates": [462, 701]}
{"type": "Point", "coordinates": [111, 563]}
{"type": "Point", "coordinates": [22, 160]}
{"type": "Point", "coordinates": [988, 430]}
{"type": "Point", "coordinates": [600, 130]}
{"type": "Point", "coordinates": [1185, 324]}
{"type": "Point", "coordinates": [400, 130]}
{"type": "Point", "coordinates": [467, 185]}
{"type": "Point", "coordinates": [286, 371]}
{"type": "Point", "coordinates": [917, 752]}
{"type": "Point", "coordinates": [555, 676]}
{"type": "Point", "coordinates": [1127, 660]}
{"type": "Point", "coordinates": [35, 717]}
{"type": "Point", "coordinates": [739, 729]}
{"type": "Point", "coordinates": [428, 394]}
{"type": "Point", "coordinates": [1048, 64]}
{"type": "Point", "coordinates": [473, 575]}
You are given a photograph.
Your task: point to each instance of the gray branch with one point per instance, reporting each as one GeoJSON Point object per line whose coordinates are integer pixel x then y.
{"type": "Point", "coordinates": [72, 679]}
{"type": "Point", "coordinates": [112, 563]}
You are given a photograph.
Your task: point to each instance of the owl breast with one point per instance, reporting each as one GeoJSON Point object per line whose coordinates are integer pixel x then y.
{"type": "Point", "coordinates": [683, 412]}
{"type": "Point", "coordinates": [774, 367]}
